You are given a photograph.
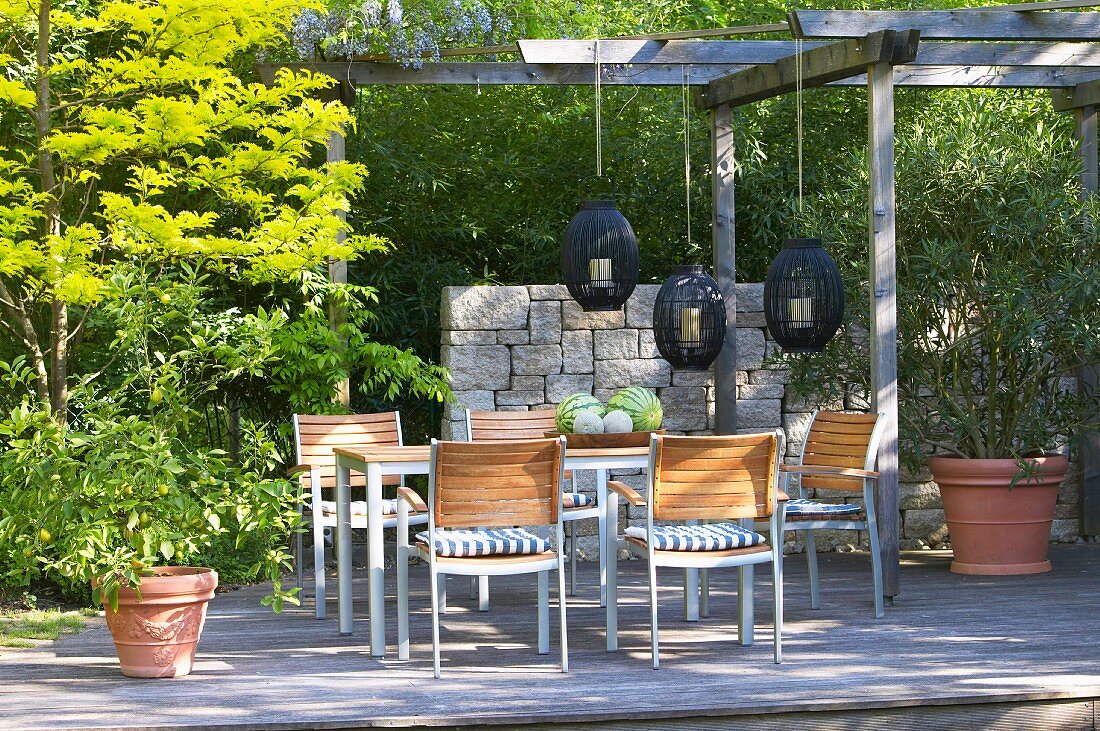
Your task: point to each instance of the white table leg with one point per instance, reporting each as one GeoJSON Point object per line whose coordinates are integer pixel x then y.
{"type": "Point", "coordinates": [609, 559]}
{"type": "Point", "coordinates": [343, 547]}
{"type": "Point", "coordinates": [601, 499]}
{"type": "Point", "coordinates": [376, 561]}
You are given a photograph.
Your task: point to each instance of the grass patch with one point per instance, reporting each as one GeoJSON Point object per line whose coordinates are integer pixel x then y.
{"type": "Point", "coordinates": [22, 629]}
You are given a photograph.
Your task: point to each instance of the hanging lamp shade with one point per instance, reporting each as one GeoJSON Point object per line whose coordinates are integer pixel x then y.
{"type": "Point", "coordinates": [599, 257]}
{"type": "Point", "coordinates": [803, 297]}
{"type": "Point", "coordinates": [689, 319]}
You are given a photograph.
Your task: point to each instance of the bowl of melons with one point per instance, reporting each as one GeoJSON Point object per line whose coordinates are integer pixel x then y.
{"type": "Point", "coordinates": [626, 420]}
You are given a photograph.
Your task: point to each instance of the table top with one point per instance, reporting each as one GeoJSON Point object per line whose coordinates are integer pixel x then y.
{"type": "Point", "coordinates": [421, 453]}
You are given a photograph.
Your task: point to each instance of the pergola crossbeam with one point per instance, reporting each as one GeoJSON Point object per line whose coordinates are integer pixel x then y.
{"type": "Point", "coordinates": [817, 67]}
{"type": "Point", "coordinates": [934, 53]}
{"type": "Point", "coordinates": [1085, 94]}
{"type": "Point", "coordinates": [975, 25]}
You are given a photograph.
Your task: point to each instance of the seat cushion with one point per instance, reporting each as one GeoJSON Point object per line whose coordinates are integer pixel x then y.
{"type": "Point", "coordinates": [359, 507]}
{"type": "Point", "coordinates": [708, 537]}
{"type": "Point", "coordinates": [803, 509]}
{"type": "Point", "coordinates": [577, 500]}
{"type": "Point", "coordinates": [456, 543]}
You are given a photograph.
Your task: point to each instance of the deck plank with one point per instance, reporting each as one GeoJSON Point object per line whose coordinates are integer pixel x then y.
{"type": "Point", "coordinates": [949, 640]}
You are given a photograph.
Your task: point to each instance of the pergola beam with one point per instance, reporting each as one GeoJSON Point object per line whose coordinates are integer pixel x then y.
{"type": "Point", "coordinates": [975, 25]}
{"type": "Point", "coordinates": [817, 67]}
{"type": "Point", "coordinates": [1085, 94]}
{"type": "Point", "coordinates": [365, 73]}
{"type": "Point", "coordinates": [935, 53]}
{"type": "Point", "coordinates": [1029, 7]}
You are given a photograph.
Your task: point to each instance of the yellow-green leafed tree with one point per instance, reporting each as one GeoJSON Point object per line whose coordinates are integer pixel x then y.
{"type": "Point", "coordinates": [126, 131]}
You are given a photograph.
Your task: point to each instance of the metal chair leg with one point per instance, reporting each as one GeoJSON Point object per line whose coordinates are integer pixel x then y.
{"type": "Point", "coordinates": [435, 581]}
{"type": "Point", "coordinates": [653, 615]}
{"type": "Point", "coordinates": [319, 567]}
{"type": "Point", "coordinates": [876, 551]}
{"type": "Point", "coordinates": [563, 629]}
{"type": "Point", "coordinates": [544, 612]}
{"type": "Point", "coordinates": [747, 614]}
{"type": "Point", "coordinates": [811, 564]}
{"type": "Point", "coordinates": [572, 528]}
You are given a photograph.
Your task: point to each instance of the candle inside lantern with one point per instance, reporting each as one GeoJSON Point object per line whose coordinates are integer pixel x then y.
{"type": "Point", "coordinates": [801, 311]}
{"type": "Point", "coordinates": [691, 326]}
{"type": "Point", "coordinates": [599, 273]}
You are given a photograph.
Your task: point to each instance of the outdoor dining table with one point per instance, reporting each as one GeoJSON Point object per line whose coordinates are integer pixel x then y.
{"type": "Point", "coordinates": [379, 461]}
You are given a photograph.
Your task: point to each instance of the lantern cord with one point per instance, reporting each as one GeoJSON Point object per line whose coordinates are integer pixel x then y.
{"type": "Point", "coordinates": [687, 148]}
{"type": "Point", "coordinates": [599, 114]}
{"type": "Point", "coordinates": [798, 117]}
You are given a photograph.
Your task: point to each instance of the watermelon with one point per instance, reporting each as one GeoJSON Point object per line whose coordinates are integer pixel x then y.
{"type": "Point", "coordinates": [588, 422]}
{"type": "Point", "coordinates": [641, 405]}
{"type": "Point", "coordinates": [573, 405]}
{"type": "Point", "coordinates": [617, 422]}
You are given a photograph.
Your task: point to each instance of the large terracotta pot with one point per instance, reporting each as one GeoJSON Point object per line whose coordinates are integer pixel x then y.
{"type": "Point", "coordinates": [156, 635]}
{"type": "Point", "coordinates": [998, 530]}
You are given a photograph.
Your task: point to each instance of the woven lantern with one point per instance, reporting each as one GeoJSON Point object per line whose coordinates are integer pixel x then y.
{"type": "Point", "coordinates": [689, 319]}
{"type": "Point", "coordinates": [599, 257]}
{"type": "Point", "coordinates": [803, 297]}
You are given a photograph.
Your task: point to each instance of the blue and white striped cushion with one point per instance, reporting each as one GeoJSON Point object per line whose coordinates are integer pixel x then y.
{"type": "Point", "coordinates": [803, 508]}
{"type": "Point", "coordinates": [490, 542]}
{"type": "Point", "coordinates": [707, 537]}
{"type": "Point", "coordinates": [359, 507]}
{"type": "Point", "coordinates": [577, 500]}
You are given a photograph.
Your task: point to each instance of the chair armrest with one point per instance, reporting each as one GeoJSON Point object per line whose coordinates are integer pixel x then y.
{"type": "Point", "coordinates": [632, 496]}
{"type": "Point", "coordinates": [781, 496]}
{"type": "Point", "coordinates": [826, 471]}
{"type": "Point", "coordinates": [414, 500]}
{"type": "Point", "coordinates": [298, 469]}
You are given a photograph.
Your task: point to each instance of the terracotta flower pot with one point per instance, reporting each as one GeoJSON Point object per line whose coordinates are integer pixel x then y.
{"type": "Point", "coordinates": [156, 635]}
{"type": "Point", "coordinates": [995, 529]}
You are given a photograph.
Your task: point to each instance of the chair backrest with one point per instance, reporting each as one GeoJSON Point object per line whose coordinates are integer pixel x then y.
{"type": "Point", "coordinates": [841, 439]}
{"type": "Point", "coordinates": [708, 478]}
{"type": "Point", "coordinates": [495, 484]}
{"type": "Point", "coordinates": [316, 436]}
{"type": "Point", "coordinates": [490, 425]}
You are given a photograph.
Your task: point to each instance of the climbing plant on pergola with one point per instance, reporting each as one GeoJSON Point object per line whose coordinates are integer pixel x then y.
{"type": "Point", "coordinates": [1028, 45]}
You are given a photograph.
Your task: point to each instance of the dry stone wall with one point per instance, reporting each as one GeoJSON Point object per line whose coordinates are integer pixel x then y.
{"type": "Point", "coordinates": [520, 348]}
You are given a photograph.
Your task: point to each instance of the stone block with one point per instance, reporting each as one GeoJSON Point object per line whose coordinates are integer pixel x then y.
{"type": "Point", "coordinates": [918, 496]}
{"type": "Point", "coordinates": [794, 403]}
{"type": "Point", "coordinates": [576, 348]}
{"type": "Point", "coordinates": [575, 318]}
{"type": "Point", "coordinates": [1067, 511]}
{"type": "Point", "coordinates": [751, 319]}
{"type": "Point", "coordinates": [519, 398]}
{"type": "Point", "coordinates": [603, 394]}
{"type": "Point", "coordinates": [615, 344]}
{"type": "Point", "coordinates": [538, 292]}
{"type": "Point", "coordinates": [637, 372]}
{"type": "Point", "coordinates": [752, 393]}
{"type": "Point", "coordinates": [484, 308]}
{"type": "Point", "coordinates": [451, 429]}
{"type": "Point", "coordinates": [693, 378]}
{"type": "Point", "coordinates": [472, 400]}
{"type": "Point", "coordinates": [760, 414]}
{"type": "Point", "coordinates": [477, 367]}
{"type": "Point", "coordinates": [468, 337]}
{"type": "Point", "coordinates": [767, 376]}
{"type": "Point", "coordinates": [647, 345]}
{"type": "Point", "coordinates": [750, 349]}
{"type": "Point", "coordinates": [512, 407]}
{"type": "Point", "coordinates": [685, 407]}
{"type": "Point", "coordinates": [750, 297]}
{"type": "Point", "coordinates": [513, 337]}
{"type": "Point", "coordinates": [1065, 531]}
{"type": "Point", "coordinates": [545, 321]}
{"type": "Point", "coordinates": [742, 378]}
{"type": "Point", "coordinates": [528, 383]}
{"type": "Point", "coordinates": [536, 360]}
{"type": "Point", "coordinates": [928, 525]}
{"type": "Point", "coordinates": [639, 308]}
{"type": "Point", "coordinates": [559, 387]}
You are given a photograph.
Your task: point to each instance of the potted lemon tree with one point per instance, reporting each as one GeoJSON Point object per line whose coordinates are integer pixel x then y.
{"type": "Point", "coordinates": [998, 309]}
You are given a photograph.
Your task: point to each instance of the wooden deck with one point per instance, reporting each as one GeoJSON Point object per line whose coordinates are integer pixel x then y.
{"type": "Point", "coordinates": [955, 652]}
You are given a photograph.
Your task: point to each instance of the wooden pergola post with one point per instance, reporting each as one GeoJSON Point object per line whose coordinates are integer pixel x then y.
{"type": "Point", "coordinates": [724, 237]}
{"type": "Point", "coordinates": [338, 268]}
{"type": "Point", "coordinates": [884, 329]}
{"type": "Point", "coordinates": [1089, 453]}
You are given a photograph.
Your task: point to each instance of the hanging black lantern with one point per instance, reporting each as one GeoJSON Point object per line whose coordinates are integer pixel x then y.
{"type": "Point", "coordinates": [689, 319]}
{"type": "Point", "coordinates": [599, 257]}
{"type": "Point", "coordinates": [803, 297]}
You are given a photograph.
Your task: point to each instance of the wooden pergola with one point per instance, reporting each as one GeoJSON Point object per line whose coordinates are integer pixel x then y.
{"type": "Point", "coordinates": [1028, 45]}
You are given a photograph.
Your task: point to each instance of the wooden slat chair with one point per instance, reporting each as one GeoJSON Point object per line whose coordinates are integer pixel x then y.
{"type": "Point", "coordinates": [482, 497]}
{"type": "Point", "coordinates": [315, 438]}
{"type": "Point", "coordinates": [729, 482]}
{"type": "Point", "coordinates": [839, 453]}
{"type": "Point", "coordinates": [497, 425]}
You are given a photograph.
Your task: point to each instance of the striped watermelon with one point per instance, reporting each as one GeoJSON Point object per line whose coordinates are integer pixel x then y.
{"type": "Point", "coordinates": [573, 405]}
{"type": "Point", "coordinates": [641, 404]}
